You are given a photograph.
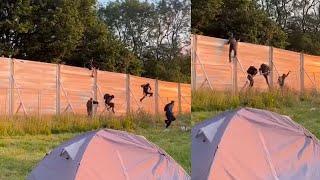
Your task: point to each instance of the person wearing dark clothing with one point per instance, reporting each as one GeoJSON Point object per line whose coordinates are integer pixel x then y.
{"type": "Point", "coordinates": [282, 78]}
{"type": "Point", "coordinates": [107, 99]}
{"type": "Point", "coordinates": [93, 67]}
{"type": "Point", "coordinates": [90, 104]}
{"type": "Point", "coordinates": [146, 92]}
{"type": "Point", "coordinates": [169, 113]}
{"type": "Point", "coordinates": [252, 71]}
{"type": "Point", "coordinates": [233, 42]}
{"type": "Point", "coordinates": [265, 71]}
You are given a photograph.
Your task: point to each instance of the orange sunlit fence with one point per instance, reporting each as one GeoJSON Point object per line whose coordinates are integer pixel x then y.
{"type": "Point", "coordinates": [211, 67]}
{"type": "Point", "coordinates": [30, 87]}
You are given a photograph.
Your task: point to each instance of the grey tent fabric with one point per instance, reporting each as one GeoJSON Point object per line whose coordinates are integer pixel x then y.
{"type": "Point", "coordinates": [108, 154]}
{"type": "Point", "coordinates": [250, 143]}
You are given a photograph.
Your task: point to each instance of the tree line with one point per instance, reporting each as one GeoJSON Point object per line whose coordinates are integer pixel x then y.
{"type": "Point", "coordinates": [128, 36]}
{"type": "Point", "coordinates": [288, 24]}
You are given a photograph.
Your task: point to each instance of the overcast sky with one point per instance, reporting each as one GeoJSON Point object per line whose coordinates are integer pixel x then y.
{"type": "Point", "coordinates": [103, 1]}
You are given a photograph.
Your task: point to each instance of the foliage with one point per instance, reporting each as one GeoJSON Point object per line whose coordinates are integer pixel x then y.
{"type": "Point", "coordinates": [243, 18]}
{"type": "Point", "coordinates": [289, 24]}
{"type": "Point", "coordinates": [158, 33]}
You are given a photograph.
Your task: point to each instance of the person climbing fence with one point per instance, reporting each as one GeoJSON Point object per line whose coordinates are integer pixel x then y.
{"type": "Point", "coordinates": [282, 78]}
{"type": "Point", "coordinates": [146, 91]}
{"type": "Point", "coordinates": [265, 71]}
{"type": "Point", "coordinates": [109, 105]}
{"type": "Point", "coordinates": [233, 46]}
{"type": "Point", "coordinates": [251, 71]}
{"type": "Point", "coordinates": [93, 67]}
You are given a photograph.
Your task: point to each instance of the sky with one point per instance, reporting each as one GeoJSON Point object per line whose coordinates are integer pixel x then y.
{"type": "Point", "coordinates": [103, 1]}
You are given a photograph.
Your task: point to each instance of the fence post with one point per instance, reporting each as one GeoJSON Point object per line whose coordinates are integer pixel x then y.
{"type": "Point", "coordinates": [271, 65]}
{"type": "Point", "coordinates": [301, 73]}
{"type": "Point", "coordinates": [95, 90]}
{"type": "Point", "coordinates": [11, 87]}
{"type": "Point", "coordinates": [58, 85]}
{"type": "Point", "coordinates": [128, 93]}
{"type": "Point", "coordinates": [156, 96]}
{"type": "Point", "coordinates": [235, 76]}
{"type": "Point", "coordinates": [179, 98]}
{"type": "Point", "coordinates": [194, 62]}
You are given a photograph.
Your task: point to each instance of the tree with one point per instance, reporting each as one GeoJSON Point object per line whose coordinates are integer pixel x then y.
{"type": "Point", "coordinates": [245, 19]}
{"type": "Point", "coordinates": [62, 31]}
{"type": "Point", "coordinates": [155, 32]}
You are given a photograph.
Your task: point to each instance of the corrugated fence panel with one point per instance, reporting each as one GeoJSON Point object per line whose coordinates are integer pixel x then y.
{"type": "Point", "coordinates": [35, 89]}
{"type": "Point", "coordinates": [251, 55]}
{"type": "Point", "coordinates": [213, 58]}
{"type": "Point", "coordinates": [4, 84]}
{"type": "Point", "coordinates": [35, 86]}
{"type": "Point", "coordinates": [77, 83]}
{"type": "Point", "coordinates": [312, 72]}
{"type": "Point", "coordinates": [185, 97]}
{"type": "Point", "coordinates": [168, 91]}
{"type": "Point", "coordinates": [114, 84]}
{"type": "Point", "coordinates": [285, 61]}
{"type": "Point", "coordinates": [148, 103]}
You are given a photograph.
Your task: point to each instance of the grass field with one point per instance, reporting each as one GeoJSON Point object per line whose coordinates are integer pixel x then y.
{"type": "Point", "coordinates": [23, 148]}
{"type": "Point", "coordinates": [303, 109]}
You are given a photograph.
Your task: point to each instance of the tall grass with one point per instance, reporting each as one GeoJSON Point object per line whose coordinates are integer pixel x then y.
{"type": "Point", "coordinates": [22, 125]}
{"type": "Point", "coordinates": [207, 100]}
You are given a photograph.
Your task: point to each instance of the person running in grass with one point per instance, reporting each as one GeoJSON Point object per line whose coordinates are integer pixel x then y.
{"type": "Point", "coordinates": [168, 108]}
{"type": "Point", "coordinates": [252, 71]}
{"type": "Point", "coordinates": [90, 104]}
{"type": "Point", "coordinates": [146, 92]}
{"type": "Point", "coordinates": [107, 99]}
{"type": "Point", "coordinates": [265, 71]}
{"type": "Point", "coordinates": [282, 78]}
{"type": "Point", "coordinates": [233, 41]}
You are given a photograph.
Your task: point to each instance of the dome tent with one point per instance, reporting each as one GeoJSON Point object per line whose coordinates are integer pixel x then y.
{"type": "Point", "coordinates": [107, 154]}
{"type": "Point", "coordinates": [250, 144]}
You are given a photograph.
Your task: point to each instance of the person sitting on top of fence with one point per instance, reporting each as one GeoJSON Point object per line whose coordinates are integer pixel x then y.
{"type": "Point", "coordinates": [146, 92]}
{"type": "Point", "coordinates": [252, 71]}
{"type": "Point", "coordinates": [90, 104]}
{"type": "Point", "coordinates": [107, 99]}
{"type": "Point", "coordinates": [282, 78]}
{"type": "Point", "coordinates": [233, 41]}
{"type": "Point", "coordinates": [168, 108]}
{"type": "Point", "coordinates": [265, 71]}
{"type": "Point", "coordinates": [93, 67]}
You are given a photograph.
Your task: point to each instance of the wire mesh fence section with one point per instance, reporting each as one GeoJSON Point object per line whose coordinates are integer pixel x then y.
{"type": "Point", "coordinates": [168, 92]}
{"type": "Point", "coordinates": [285, 61]}
{"type": "Point", "coordinates": [211, 67]}
{"type": "Point", "coordinates": [312, 72]}
{"type": "Point", "coordinates": [211, 63]}
{"type": "Point", "coordinates": [251, 55]}
{"type": "Point", "coordinates": [185, 97]}
{"type": "Point", "coordinates": [136, 92]}
{"type": "Point", "coordinates": [113, 84]}
{"type": "Point", "coordinates": [34, 88]}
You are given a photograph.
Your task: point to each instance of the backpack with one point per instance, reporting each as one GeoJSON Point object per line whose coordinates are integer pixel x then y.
{"type": "Point", "coordinates": [106, 96]}
{"type": "Point", "coordinates": [252, 70]}
{"type": "Point", "coordinates": [166, 107]}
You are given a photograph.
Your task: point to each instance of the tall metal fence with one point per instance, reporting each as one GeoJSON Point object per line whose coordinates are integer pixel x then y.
{"type": "Point", "coordinates": [211, 67]}
{"type": "Point", "coordinates": [29, 87]}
